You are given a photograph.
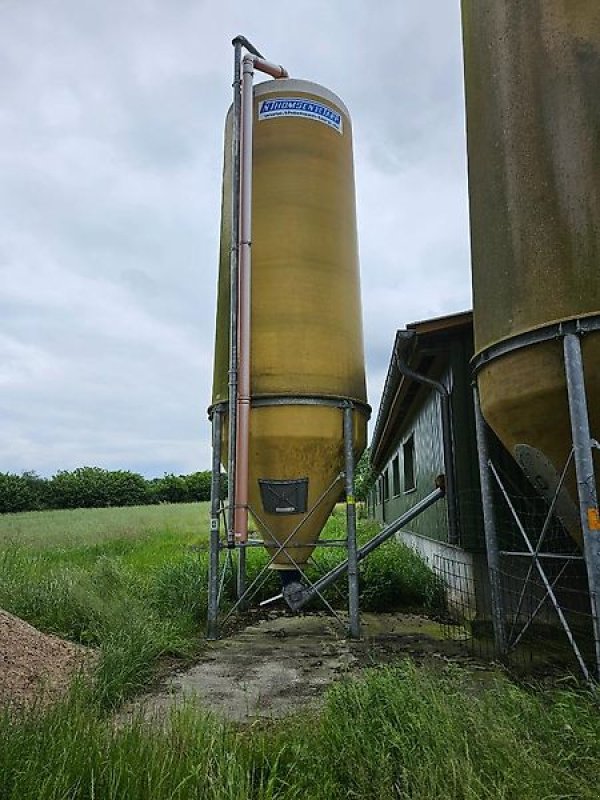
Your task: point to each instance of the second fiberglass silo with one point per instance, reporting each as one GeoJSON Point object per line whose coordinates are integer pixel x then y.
{"type": "Point", "coordinates": [306, 352]}
{"type": "Point", "coordinates": [532, 76]}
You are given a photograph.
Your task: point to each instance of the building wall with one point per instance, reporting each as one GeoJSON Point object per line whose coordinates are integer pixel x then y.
{"type": "Point", "coordinates": [425, 421]}
{"type": "Point", "coordinates": [424, 425]}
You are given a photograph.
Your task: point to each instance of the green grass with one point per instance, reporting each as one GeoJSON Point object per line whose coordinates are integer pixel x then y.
{"type": "Point", "coordinates": [108, 578]}
{"type": "Point", "coordinates": [88, 527]}
{"type": "Point", "coordinates": [127, 582]}
{"type": "Point", "coordinates": [393, 733]}
{"type": "Point", "coordinates": [132, 582]}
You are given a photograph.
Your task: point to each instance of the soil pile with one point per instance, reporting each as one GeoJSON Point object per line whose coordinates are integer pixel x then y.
{"type": "Point", "coordinates": [33, 665]}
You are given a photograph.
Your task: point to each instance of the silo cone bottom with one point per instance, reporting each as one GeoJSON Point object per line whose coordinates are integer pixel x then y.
{"type": "Point", "coordinates": [302, 443]}
{"type": "Point", "coordinates": [524, 400]}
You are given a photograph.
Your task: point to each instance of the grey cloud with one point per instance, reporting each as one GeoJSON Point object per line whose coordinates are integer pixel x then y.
{"type": "Point", "coordinates": [111, 125]}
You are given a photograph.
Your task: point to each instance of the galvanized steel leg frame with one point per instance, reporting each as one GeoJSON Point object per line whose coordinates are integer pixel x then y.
{"type": "Point", "coordinates": [504, 641]}
{"type": "Point", "coordinates": [316, 588]}
{"type": "Point", "coordinates": [582, 454]}
{"type": "Point", "coordinates": [281, 548]}
{"type": "Point", "coordinates": [491, 535]}
{"type": "Point", "coordinates": [583, 445]}
{"type": "Point", "coordinates": [260, 579]}
{"type": "Point", "coordinates": [244, 592]}
{"type": "Point", "coordinates": [353, 598]}
{"type": "Point", "coordinates": [570, 332]}
{"type": "Point", "coordinates": [212, 617]}
{"type": "Point", "coordinates": [535, 558]}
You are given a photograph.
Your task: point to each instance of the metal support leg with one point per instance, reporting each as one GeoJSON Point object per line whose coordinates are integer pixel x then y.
{"type": "Point", "coordinates": [353, 605]}
{"type": "Point", "coordinates": [241, 579]}
{"type": "Point", "coordinates": [212, 628]}
{"type": "Point", "coordinates": [586, 482]}
{"type": "Point", "coordinates": [489, 523]}
{"type": "Point", "coordinates": [281, 548]}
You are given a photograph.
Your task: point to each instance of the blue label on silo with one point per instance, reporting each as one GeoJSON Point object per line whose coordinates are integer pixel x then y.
{"type": "Point", "coordinates": [300, 107]}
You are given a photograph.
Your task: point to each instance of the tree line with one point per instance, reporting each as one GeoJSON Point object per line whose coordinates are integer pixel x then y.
{"type": "Point", "coordinates": [94, 487]}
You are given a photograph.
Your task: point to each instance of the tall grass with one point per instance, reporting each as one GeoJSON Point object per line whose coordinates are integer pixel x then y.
{"type": "Point", "coordinates": [394, 733]}
{"type": "Point", "coordinates": [107, 606]}
{"type": "Point", "coordinates": [84, 527]}
{"type": "Point", "coordinates": [141, 596]}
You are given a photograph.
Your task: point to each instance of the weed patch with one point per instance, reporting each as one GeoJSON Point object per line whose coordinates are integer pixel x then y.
{"type": "Point", "coordinates": [394, 733]}
{"type": "Point", "coordinates": [143, 595]}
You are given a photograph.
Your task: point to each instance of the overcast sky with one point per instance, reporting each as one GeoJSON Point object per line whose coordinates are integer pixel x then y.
{"type": "Point", "coordinates": [111, 125]}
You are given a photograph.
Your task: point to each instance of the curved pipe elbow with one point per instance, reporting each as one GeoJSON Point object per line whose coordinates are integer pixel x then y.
{"type": "Point", "coordinates": [262, 65]}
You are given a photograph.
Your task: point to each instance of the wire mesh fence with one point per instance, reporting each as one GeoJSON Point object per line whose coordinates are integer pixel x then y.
{"type": "Point", "coordinates": [465, 619]}
{"type": "Point", "coordinates": [538, 642]}
{"type": "Point", "coordinates": [547, 614]}
{"type": "Point", "coordinates": [545, 596]}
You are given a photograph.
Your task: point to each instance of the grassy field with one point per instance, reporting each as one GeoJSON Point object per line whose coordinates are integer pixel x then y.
{"type": "Point", "coordinates": [395, 733]}
{"type": "Point", "coordinates": [85, 528]}
{"type": "Point", "coordinates": [132, 582]}
{"type": "Point", "coordinates": [123, 580]}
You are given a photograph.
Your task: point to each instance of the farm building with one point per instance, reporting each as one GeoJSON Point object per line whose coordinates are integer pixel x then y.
{"type": "Point", "coordinates": [429, 367]}
{"type": "Point", "coordinates": [407, 446]}
{"type": "Point", "coordinates": [430, 359]}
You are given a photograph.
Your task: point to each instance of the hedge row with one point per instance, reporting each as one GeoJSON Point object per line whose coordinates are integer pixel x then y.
{"type": "Point", "coordinates": [93, 487]}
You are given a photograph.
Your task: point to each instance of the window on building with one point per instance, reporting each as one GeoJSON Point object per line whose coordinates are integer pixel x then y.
{"type": "Point", "coordinates": [386, 485]}
{"type": "Point", "coordinates": [379, 492]}
{"type": "Point", "coordinates": [396, 476]}
{"type": "Point", "coordinates": [408, 457]}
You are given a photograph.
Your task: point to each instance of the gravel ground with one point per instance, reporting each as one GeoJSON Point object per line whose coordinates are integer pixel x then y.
{"type": "Point", "coordinates": [33, 665]}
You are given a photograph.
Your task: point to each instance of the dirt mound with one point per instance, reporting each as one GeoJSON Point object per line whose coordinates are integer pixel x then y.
{"type": "Point", "coordinates": [34, 665]}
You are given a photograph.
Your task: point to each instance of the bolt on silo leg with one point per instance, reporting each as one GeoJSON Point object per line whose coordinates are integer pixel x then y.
{"type": "Point", "coordinates": [212, 617]}
{"type": "Point", "coordinates": [353, 602]}
{"type": "Point", "coordinates": [586, 480]}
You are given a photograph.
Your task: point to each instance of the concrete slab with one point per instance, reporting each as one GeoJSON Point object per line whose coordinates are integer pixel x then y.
{"type": "Point", "coordinates": [282, 664]}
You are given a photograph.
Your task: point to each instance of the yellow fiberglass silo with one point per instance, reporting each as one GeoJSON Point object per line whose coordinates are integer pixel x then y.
{"type": "Point", "coordinates": [532, 72]}
{"type": "Point", "coordinates": [306, 353]}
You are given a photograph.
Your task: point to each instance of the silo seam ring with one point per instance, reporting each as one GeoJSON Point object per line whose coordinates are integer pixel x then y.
{"type": "Point", "coordinates": [556, 330]}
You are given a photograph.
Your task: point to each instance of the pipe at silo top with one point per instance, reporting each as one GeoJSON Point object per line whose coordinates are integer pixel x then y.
{"type": "Point", "coordinates": [249, 63]}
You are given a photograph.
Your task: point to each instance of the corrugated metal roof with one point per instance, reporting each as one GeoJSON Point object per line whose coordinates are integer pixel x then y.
{"type": "Point", "coordinates": [441, 324]}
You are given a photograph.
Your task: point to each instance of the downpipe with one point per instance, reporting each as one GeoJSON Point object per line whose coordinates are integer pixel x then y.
{"type": "Point", "coordinates": [447, 442]}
